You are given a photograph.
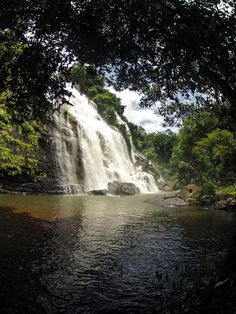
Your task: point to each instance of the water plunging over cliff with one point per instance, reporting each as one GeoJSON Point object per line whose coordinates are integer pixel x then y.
{"type": "Point", "coordinates": [90, 153]}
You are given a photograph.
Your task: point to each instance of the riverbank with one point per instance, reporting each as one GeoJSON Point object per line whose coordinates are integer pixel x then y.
{"type": "Point", "coordinates": [167, 199]}
{"type": "Point", "coordinates": [176, 199]}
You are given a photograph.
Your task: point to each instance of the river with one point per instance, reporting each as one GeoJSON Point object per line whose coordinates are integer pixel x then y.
{"type": "Point", "coordinates": [101, 254]}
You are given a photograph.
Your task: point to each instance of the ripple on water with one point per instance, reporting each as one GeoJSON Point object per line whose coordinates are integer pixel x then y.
{"type": "Point", "coordinates": [99, 254]}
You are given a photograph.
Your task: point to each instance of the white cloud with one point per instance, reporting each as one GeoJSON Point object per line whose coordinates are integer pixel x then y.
{"type": "Point", "coordinates": [144, 117]}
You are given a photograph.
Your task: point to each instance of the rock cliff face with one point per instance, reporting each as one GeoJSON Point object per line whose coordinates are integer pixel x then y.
{"type": "Point", "coordinates": [144, 164]}
{"type": "Point", "coordinates": [47, 180]}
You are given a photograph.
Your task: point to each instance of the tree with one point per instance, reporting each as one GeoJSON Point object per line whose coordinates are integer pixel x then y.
{"type": "Point", "coordinates": [138, 134]}
{"type": "Point", "coordinates": [203, 152]}
{"type": "Point", "coordinates": [185, 161]}
{"type": "Point", "coordinates": [171, 50]}
{"type": "Point", "coordinates": [164, 143]}
{"type": "Point", "coordinates": [217, 154]}
{"type": "Point", "coordinates": [168, 50]}
{"type": "Point", "coordinates": [28, 71]}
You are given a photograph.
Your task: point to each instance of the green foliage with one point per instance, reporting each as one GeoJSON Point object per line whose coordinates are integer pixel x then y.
{"type": "Point", "coordinates": [229, 190]}
{"type": "Point", "coordinates": [94, 91]}
{"type": "Point", "coordinates": [28, 74]}
{"type": "Point", "coordinates": [203, 151]}
{"type": "Point", "coordinates": [92, 84]}
{"type": "Point", "coordinates": [125, 133]}
{"type": "Point", "coordinates": [109, 115]}
{"type": "Point", "coordinates": [217, 152]}
{"type": "Point", "coordinates": [150, 153]}
{"type": "Point", "coordinates": [106, 99]}
{"type": "Point", "coordinates": [18, 143]}
{"type": "Point", "coordinates": [164, 143]}
{"type": "Point", "coordinates": [138, 134]}
{"type": "Point", "coordinates": [87, 78]}
{"type": "Point", "coordinates": [156, 146]}
{"type": "Point", "coordinates": [208, 188]}
{"type": "Point", "coordinates": [69, 116]}
{"type": "Point", "coordinates": [184, 162]}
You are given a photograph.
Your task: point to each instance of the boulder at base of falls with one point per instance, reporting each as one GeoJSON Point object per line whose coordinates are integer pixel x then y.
{"type": "Point", "coordinates": [98, 192]}
{"type": "Point", "coordinates": [122, 188]}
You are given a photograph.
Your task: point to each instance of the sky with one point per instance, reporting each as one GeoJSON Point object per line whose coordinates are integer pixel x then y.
{"type": "Point", "coordinates": [144, 117]}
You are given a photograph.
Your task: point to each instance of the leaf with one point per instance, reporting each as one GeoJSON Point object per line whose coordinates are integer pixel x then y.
{"type": "Point", "coordinates": [220, 283]}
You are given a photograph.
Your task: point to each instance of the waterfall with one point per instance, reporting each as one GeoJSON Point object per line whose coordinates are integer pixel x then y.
{"type": "Point", "coordinates": [90, 153]}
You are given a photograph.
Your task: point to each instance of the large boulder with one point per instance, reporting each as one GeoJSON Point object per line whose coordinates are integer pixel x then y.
{"type": "Point", "coordinates": [122, 188]}
{"type": "Point", "coordinates": [98, 192]}
{"type": "Point", "coordinates": [188, 191]}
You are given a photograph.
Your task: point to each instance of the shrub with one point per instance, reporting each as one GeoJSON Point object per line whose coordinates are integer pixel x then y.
{"type": "Point", "coordinates": [18, 144]}
{"type": "Point", "coordinates": [229, 190]}
{"type": "Point", "coordinates": [208, 189]}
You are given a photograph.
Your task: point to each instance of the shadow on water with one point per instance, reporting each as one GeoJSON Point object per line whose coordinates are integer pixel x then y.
{"type": "Point", "coordinates": [22, 241]}
{"type": "Point", "coordinates": [33, 254]}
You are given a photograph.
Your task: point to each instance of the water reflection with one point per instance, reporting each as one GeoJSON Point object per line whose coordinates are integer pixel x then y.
{"type": "Point", "coordinates": [70, 254]}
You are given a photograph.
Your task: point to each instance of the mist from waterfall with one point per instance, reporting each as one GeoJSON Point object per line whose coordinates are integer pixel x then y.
{"type": "Point", "coordinates": [90, 153]}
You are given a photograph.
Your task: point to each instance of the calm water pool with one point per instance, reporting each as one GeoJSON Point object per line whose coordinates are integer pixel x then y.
{"type": "Point", "coordinates": [100, 254]}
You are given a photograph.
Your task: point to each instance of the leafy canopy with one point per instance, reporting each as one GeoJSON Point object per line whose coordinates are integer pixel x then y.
{"type": "Point", "coordinates": [168, 50]}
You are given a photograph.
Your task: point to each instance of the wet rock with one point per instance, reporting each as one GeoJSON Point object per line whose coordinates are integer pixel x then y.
{"type": "Point", "coordinates": [122, 188]}
{"type": "Point", "coordinates": [167, 200]}
{"type": "Point", "coordinates": [206, 200]}
{"type": "Point", "coordinates": [144, 164]}
{"type": "Point", "coordinates": [98, 192]}
{"type": "Point", "coordinates": [188, 191]}
{"type": "Point", "coordinates": [164, 185]}
{"type": "Point", "coordinates": [3, 191]}
{"type": "Point", "coordinates": [39, 188]}
{"type": "Point", "coordinates": [226, 204]}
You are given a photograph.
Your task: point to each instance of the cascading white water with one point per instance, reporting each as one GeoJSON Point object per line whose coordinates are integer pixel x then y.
{"type": "Point", "coordinates": [87, 144]}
